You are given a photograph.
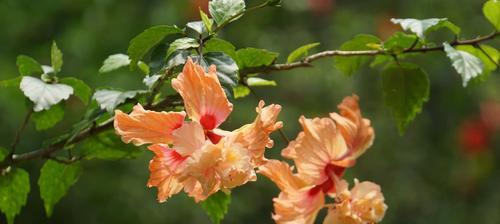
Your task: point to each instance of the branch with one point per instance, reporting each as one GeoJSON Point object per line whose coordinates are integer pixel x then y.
{"type": "Point", "coordinates": [306, 62]}
{"type": "Point", "coordinates": [19, 132]}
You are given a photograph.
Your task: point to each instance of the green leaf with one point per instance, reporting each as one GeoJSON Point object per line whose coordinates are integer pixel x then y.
{"type": "Point", "coordinates": [216, 206]}
{"type": "Point", "coordinates": [220, 45]}
{"type": "Point", "coordinates": [227, 70]}
{"type": "Point", "coordinates": [406, 88]}
{"type": "Point", "coordinates": [253, 57]}
{"type": "Point", "coordinates": [9, 83]}
{"type": "Point", "coordinates": [42, 94]}
{"type": "Point", "coordinates": [224, 11]}
{"type": "Point", "coordinates": [423, 27]}
{"type": "Point", "coordinates": [254, 81]}
{"type": "Point", "coordinates": [114, 62]}
{"type": "Point", "coordinates": [28, 66]}
{"type": "Point", "coordinates": [301, 51]}
{"type": "Point", "coordinates": [14, 189]}
{"type": "Point", "coordinates": [145, 41]}
{"type": "Point", "coordinates": [46, 119]}
{"type": "Point", "coordinates": [348, 65]}
{"type": "Point", "coordinates": [55, 181]}
{"type": "Point", "coordinates": [110, 99]}
{"type": "Point", "coordinates": [143, 67]}
{"type": "Point", "coordinates": [56, 58]}
{"type": "Point", "coordinates": [81, 90]}
{"type": "Point", "coordinates": [3, 153]}
{"type": "Point", "coordinates": [400, 41]}
{"type": "Point", "coordinates": [182, 44]}
{"type": "Point", "coordinates": [491, 11]}
{"type": "Point", "coordinates": [240, 91]}
{"type": "Point", "coordinates": [466, 64]}
{"type": "Point", "coordinates": [206, 21]}
{"type": "Point", "coordinates": [490, 60]}
{"type": "Point", "coordinates": [107, 146]}
{"type": "Point", "coordinates": [196, 29]}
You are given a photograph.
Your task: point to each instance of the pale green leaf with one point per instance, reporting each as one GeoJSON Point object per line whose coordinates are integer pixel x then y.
{"type": "Point", "coordinates": [46, 119]}
{"type": "Point", "coordinates": [240, 91]}
{"type": "Point", "coordinates": [487, 54]}
{"type": "Point", "coordinates": [216, 206]}
{"type": "Point", "coordinates": [114, 62]}
{"type": "Point", "coordinates": [255, 81]}
{"type": "Point", "coordinates": [206, 21]}
{"type": "Point", "coordinates": [182, 44]}
{"type": "Point", "coordinates": [422, 27]}
{"type": "Point", "coordinates": [300, 52]}
{"type": "Point", "coordinates": [225, 11]}
{"type": "Point", "coordinates": [110, 99]}
{"type": "Point", "coordinates": [56, 58]}
{"type": "Point", "coordinates": [80, 89]}
{"type": "Point", "coordinates": [491, 11]}
{"type": "Point", "coordinates": [42, 94]}
{"type": "Point", "coordinates": [28, 66]}
{"type": "Point", "coordinates": [14, 189]}
{"type": "Point", "coordinates": [145, 41]}
{"type": "Point", "coordinates": [405, 88]}
{"type": "Point", "coordinates": [55, 180]}
{"type": "Point", "coordinates": [348, 65]}
{"type": "Point", "coordinates": [466, 64]}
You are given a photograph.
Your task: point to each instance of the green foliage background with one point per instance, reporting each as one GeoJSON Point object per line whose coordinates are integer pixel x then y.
{"type": "Point", "coordinates": [425, 176]}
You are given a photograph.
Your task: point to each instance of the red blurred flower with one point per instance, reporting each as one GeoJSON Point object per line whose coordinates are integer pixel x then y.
{"type": "Point", "coordinates": [474, 136]}
{"type": "Point", "coordinates": [321, 7]}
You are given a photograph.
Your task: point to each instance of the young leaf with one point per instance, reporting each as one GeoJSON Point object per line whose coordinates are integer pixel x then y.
{"type": "Point", "coordinates": [224, 11]}
{"type": "Point", "coordinates": [182, 44]}
{"type": "Point", "coordinates": [55, 180]}
{"type": "Point", "coordinates": [144, 42]}
{"type": "Point", "coordinates": [110, 99]}
{"type": "Point", "coordinates": [206, 21]}
{"type": "Point", "coordinates": [107, 146]}
{"type": "Point", "coordinates": [14, 189]}
{"type": "Point", "coordinates": [216, 206]}
{"type": "Point", "coordinates": [466, 64]}
{"type": "Point", "coordinates": [81, 90]}
{"type": "Point", "coordinates": [491, 11]}
{"type": "Point", "coordinates": [3, 153]}
{"type": "Point", "coordinates": [422, 27]}
{"type": "Point", "coordinates": [240, 91]}
{"type": "Point", "coordinates": [28, 66]}
{"type": "Point", "coordinates": [487, 54]}
{"type": "Point", "coordinates": [406, 88]}
{"type": "Point", "coordinates": [254, 81]}
{"type": "Point", "coordinates": [220, 45]}
{"type": "Point", "coordinates": [253, 57]}
{"type": "Point", "coordinates": [227, 70]}
{"type": "Point", "coordinates": [114, 62]}
{"type": "Point", "coordinates": [348, 65]}
{"type": "Point", "coordinates": [301, 51]}
{"type": "Point", "coordinates": [9, 83]}
{"type": "Point", "coordinates": [42, 94]}
{"type": "Point", "coordinates": [400, 41]}
{"type": "Point", "coordinates": [48, 118]}
{"type": "Point", "coordinates": [56, 58]}
{"type": "Point", "coordinates": [196, 29]}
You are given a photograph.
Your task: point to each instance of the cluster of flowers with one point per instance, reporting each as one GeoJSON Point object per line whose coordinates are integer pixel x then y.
{"type": "Point", "coordinates": [196, 156]}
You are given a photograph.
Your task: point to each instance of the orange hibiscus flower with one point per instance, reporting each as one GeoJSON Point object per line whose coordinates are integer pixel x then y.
{"type": "Point", "coordinates": [196, 156]}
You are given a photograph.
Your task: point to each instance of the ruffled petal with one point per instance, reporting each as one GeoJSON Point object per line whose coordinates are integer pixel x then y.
{"type": "Point", "coordinates": [357, 131]}
{"type": "Point", "coordinates": [188, 138]}
{"type": "Point", "coordinates": [319, 150]}
{"type": "Point", "coordinates": [297, 207]}
{"type": "Point", "coordinates": [281, 174]}
{"type": "Point", "coordinates": [204, 98]}
{"type": "Point", "coordinates": [145, 126]}
{"type": "Point", "coordinates": [162, 171]}
{"type": "Point", "coordinates": [255, 136]}
{"type": "Point", "coordinates": [202, 166]}
{"type": "Point", "coordinates": [236, 167]}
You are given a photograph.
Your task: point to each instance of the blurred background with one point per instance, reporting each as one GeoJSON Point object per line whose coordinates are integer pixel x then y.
{"type": "Point", "coordinates": [443, 170]}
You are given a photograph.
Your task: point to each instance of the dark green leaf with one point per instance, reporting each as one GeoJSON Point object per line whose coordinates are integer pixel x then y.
{"type": "Point", "coordinates": [348, 65]}
{"type": "Point", "coordinates": [491, 11]}
{"type": "Point", "coordinates": [220, 45]}
{"type": "Point", "coordinates": [158, 59]}
{"type": "Point", "coordinates": [108, 146]}
{"type": "Point", "coordinates": [55, 181]}
{"type": "Point", "coordinates": [56, 58]}
{"type": "Point", "coordinates": [110, 99]}
{"type": "Point", "coordinates": [255, 81]}
{"type": "Point", "coordinates": [80, 89]}
{"type": "Point", "coordinates": [240, 91]}
{"type": "Point", "coordinates": [46, 119]}
{"type": "Point", "coordinates": [466, 64]}
{"type": "Point", "coordinates": [224, 11]}
{"type": "Point", "coordinates": [14, 189]}
{"type": "Point", "coordinates": [300, 52]}
{"type": "Point", "coordinates": [216, 206]}
{"type": "Point", "coordinates": [3, 153]}
{"type": "Point", "coordinates": [42, 94]}
{"type": "Point", "coordinates": [28, 66]}
{"type": "Point", "coordinates": [406, 88]}
{"type": "Point", "coordinates": [227, 70]}
{"type": "Point", "coordinates": [144, 42]}
{"type": "Point", "coordinates": [253, 57]}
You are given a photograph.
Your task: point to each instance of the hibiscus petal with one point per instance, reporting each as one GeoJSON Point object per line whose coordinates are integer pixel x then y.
{"type": "Point", "coordinates": [299, 206]}
{"type": "Point", "coordinates": [281, 174]}
{"type": "Point", "coordinates": [204, 98]}
{"type": "Point", "coordinates": [145, 126]}
{"type": "Point", "coordinates": [202, 166]}
{"type": "Point", "coordinates": [188, 138]}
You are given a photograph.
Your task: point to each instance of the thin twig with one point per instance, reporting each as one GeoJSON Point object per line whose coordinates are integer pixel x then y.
{"type": "Point", "coordinates": [19, 132]}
